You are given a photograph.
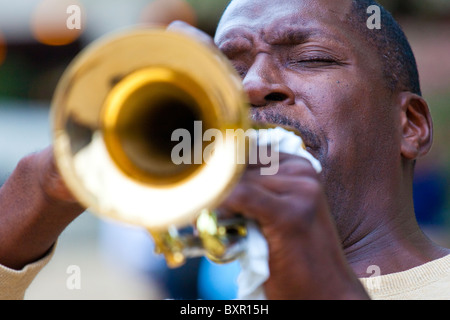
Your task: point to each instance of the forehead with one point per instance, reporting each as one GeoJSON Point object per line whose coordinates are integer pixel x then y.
{"type": "Point", "coordinates": [269, 17]}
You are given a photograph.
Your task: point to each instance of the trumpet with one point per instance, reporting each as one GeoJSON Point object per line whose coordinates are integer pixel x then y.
{"type": "Point", "coordinates": [113, 113]}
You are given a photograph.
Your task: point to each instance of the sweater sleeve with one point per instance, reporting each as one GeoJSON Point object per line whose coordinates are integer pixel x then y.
{"type": "Point", "coordinates": [14, 283]}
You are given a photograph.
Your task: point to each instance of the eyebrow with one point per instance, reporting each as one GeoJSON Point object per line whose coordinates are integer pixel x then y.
{"type": "Point", "coordinates": [233, 47]}
{"type": "Point", "coordinates": [235, 41]}
{"type": "Point", "coordinates": [238, 40]}
{"type": "Point", "coordinates": [282, 35]}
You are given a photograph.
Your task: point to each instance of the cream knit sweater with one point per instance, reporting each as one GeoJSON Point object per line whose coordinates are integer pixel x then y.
{"type": "Point", "coordinates": [430, 281]}
{"type": "Point", "coordinates": [14, 283]}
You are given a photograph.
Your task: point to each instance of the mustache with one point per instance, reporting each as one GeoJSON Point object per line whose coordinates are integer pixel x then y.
{"type": "Point", "coordinates": [310, 139]}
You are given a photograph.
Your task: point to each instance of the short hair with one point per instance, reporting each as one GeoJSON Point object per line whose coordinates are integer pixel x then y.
{"type": "Point", "coordinates": [391, 43]}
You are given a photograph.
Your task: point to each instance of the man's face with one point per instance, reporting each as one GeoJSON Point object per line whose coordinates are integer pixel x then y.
{"type": "Point", "coordinates": [302, 65]}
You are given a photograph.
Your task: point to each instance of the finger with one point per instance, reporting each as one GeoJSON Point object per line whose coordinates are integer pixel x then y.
{"type": "Point", "coordinates": [296, 166]}
{"type": "Point", "coordinates": [282, 185]}
{"type": "Point", "coordinates": [252, 201]}
{"type": "Point", "coordinates": [50, 178]}
{"type": "Point", "coordinates": [286, 165]}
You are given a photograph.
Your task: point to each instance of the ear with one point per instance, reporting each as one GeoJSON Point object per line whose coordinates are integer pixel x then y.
{"type": "Point", "coordinates": [417, 126]}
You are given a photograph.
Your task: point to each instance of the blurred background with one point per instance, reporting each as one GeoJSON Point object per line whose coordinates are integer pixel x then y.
{"type": "Point", "coordinates": [117, 262]}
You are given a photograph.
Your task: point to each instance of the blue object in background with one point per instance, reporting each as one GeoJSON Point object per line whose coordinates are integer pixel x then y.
{"type": "Point", "coordinates": [430, 192]}
{"type": "Point", "coordinates": [218, 281]}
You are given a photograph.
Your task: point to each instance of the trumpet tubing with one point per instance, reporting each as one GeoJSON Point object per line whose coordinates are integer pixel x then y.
{"type": "Point", "coordinates": [113, 114]}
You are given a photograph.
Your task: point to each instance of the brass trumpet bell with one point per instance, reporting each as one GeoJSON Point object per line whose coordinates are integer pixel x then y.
{"type": "Point", "coordinates": [113, 115]}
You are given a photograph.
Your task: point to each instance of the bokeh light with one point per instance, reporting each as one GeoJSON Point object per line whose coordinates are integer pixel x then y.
{"type": "Point", "coordinates": [53, 23]}
{"type": "Point", "coordinates": [2, 48]}
{"type": "Point", "coordinates": [163, 12]}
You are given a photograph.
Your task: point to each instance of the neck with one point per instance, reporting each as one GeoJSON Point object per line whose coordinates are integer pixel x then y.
{"type": "Point", "coordinates": [393, 249]}
{"type": "Point", "coordinates": [389, 237]}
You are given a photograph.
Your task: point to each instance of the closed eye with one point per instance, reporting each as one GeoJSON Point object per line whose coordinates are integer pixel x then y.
{"type": "Point", "coordinates": [315, 62]}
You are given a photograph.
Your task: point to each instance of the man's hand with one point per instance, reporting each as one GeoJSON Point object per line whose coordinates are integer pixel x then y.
{"type": "Point", "coordinates": [35, 207]}
{"type": "Point", "coordinates": [305, 256]}
{"type": "Point", "coordinates": [50, 179]}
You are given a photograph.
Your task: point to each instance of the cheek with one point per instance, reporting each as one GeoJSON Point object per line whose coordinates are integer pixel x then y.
{"type": "Point", "coordinates": [355, 123]}
{"type": "Point", "coordinates": [337, 110]}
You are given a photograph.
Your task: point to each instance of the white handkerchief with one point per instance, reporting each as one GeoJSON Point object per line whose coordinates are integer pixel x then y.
{"type": "Point", "coordinates": [254, 262]}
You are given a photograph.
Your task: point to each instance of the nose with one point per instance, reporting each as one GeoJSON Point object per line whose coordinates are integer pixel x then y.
{"type": "Point", "coordinates": [264, 84]}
